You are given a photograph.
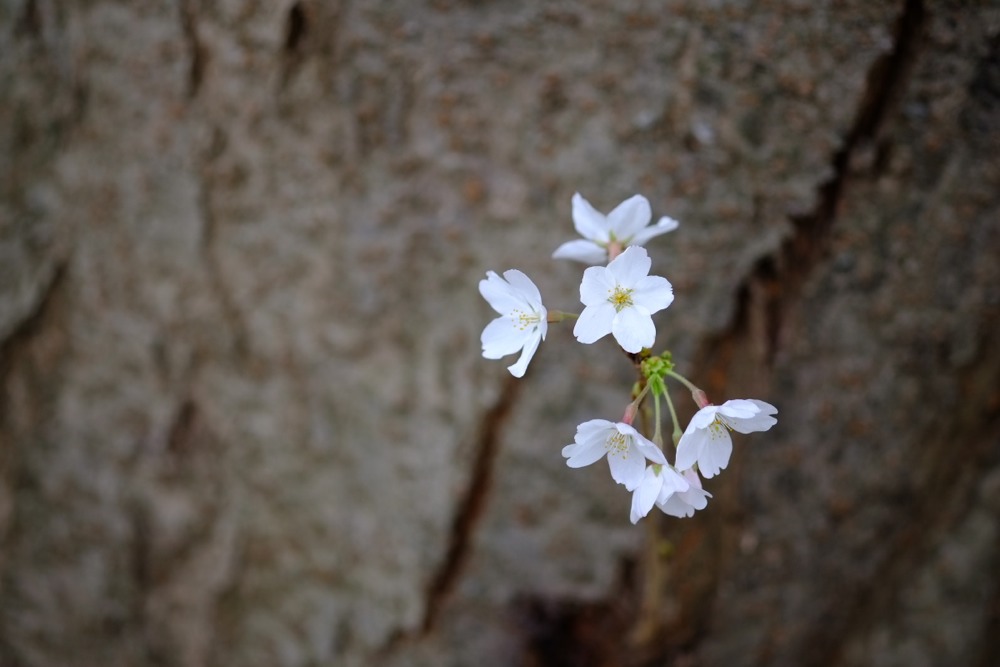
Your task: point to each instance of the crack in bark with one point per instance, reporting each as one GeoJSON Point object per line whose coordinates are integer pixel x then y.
{"type": "Point", "coordinates": [13, 348]}
{"type": "Point", "coordinates": [569, 632]}
{"type": "Point", "coordinates": [775, 280]}
{"type": "Point", "coordinates": [29, 23]}
{"type": "Point", "coordinates": [990, 653]}
{"type": "Point", "coordinates": [230, 311]}
{"type": "Point", "coordinates": [312, 29]}
{"type": "Point", "coordinates": [196, 49]}
{"type": "Point", "coordinates": [947, 484]}
{"type": "Point", "coordinates": [774, 283]}
{"type": "Point", "coordinates": [472, 505]}
{"type": "Point", "coordinates": [297, 29]}
{"type": "Point", "coordinates": [29, 326]}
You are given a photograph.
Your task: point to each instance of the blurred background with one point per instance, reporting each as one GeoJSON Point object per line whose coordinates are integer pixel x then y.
{"type": "Point", "coordinates": [244, 418]}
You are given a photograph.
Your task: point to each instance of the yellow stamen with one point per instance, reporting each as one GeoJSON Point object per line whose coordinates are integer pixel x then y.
{"type": "Point", "coordinates": [618, 444]}
{"type": "Point", "coordinates": [523, 320]}
{"type": "Point", "coordinates": [620, 298]}
{"type": "Point", "coordinates": [718, 428]}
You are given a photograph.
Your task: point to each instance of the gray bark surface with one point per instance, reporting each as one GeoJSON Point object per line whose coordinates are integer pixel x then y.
{"type": "Point", "coordinates": [244, 419]}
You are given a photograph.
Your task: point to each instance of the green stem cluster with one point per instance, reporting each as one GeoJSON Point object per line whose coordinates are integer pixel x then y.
{"type": "Point", "coordinates": [655, 370]}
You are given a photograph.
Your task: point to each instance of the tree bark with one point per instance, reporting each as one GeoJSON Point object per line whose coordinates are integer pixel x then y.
{"type": "Point", "coordinates": [244, 417]}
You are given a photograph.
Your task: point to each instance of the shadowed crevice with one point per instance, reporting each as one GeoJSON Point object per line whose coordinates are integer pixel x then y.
{"type": "Point", "coordinates": [196, 49]}
{"type": "Point", "coordinates": [775, 281]}
{"type": "Point", "coordinates": [29, 327]}
{"type": "Point", "coordinates": [29, 23]}
{"type": "Point", "coordinates": [473, 502]}
{"type": "Point", "coordinates": [209, 248]}
{"type": "Point", "coordinates": [990, 656]}
{"type": "Point", "coordinates": [773, 286]}
{"type": "Point", "coordinates": [34, 350]}
{"type": "Point", "coordinates": [567, 632]}
{"type": "Point", "coordinates": [294, 51]}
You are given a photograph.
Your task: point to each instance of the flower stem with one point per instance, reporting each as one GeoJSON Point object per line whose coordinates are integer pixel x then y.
{"type": "Point", "coordinates": [697, 394]}
{"type": "Point", "coordinates": [632, 408]}
{"type": "Point", "coordinates": [657, 433]}
{"type": "Point", "coordinates": [676, 435]}
{"type": "Point", "coordinates": [559, 316]}
{"type": "Point", "coordinates": [683, 380]}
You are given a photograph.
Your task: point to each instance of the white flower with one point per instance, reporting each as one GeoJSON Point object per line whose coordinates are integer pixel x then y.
{"type": "Point", "coordinates": [658, 482]}
{"type": "Point", "coordinates": [625, 448]}
{"type": "Point", "coordinates": [620, 299]}
{"type": "Point", "coordinates": [683, 504]}
{"type": "Point", "coordinates": [706, 440]}
{"type": "Point", "coordinates": [626, 226]}
{"type": "Point", "coordinates": [523, 319]}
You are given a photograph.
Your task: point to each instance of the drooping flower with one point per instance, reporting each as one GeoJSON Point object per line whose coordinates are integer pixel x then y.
{"type": "Point", "coordinates": [706, 440]}
{"type": "Point", "coordinates": [625, 448]}
{"type": "Point", "coordinates": [627, 225]}
{"type": "Point", "coordinates": [682, 504]}
{"type": "Point", "coordinates": [522, 324]}
{"type": "Point", "coordinates": [658, 482]}
{"type": "Point", "coordinates": [620, 299]}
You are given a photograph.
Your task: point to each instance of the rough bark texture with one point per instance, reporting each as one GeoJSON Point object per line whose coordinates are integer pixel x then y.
{"type": "Point", "coordinates": [244, 419]}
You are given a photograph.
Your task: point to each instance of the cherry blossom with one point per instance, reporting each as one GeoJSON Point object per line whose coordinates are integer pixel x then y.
{"type": "Point", "coordinates": [522, 324]}
{"type": "Point", "coordinates": [627, 225]}
{"type": "Point", "coordinates": [682, 504]}
{"type": "Point", "coordinates": [658, 482]}
{"type": "Point", "coordinates": [706, 440]}
{"type": "Point", "coordinates": [625, 448]}
{"type": "Point", "coordinates": [620, 299]}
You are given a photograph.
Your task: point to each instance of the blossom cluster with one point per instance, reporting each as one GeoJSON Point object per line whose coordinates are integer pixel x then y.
{"type": "Point", "coordinates": [619, 298]}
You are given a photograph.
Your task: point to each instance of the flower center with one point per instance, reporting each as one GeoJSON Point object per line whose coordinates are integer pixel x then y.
{"type": "Point", "coordinates": [718, 428]}
{"type": "Point", "coordinates": [523, 320]}
{"type": "Point", "coordinates": [620, 298]}
{"type": "Point", "coordinates": [617, 444]}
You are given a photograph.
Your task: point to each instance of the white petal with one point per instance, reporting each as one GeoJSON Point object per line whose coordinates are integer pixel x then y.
{"type": "Point", "coordinates": [754, 424]}
{"type": "Point", "coordinates": [629, 217]}
{"type": "Point", "coordinates": [627, 467]}
{"type": "Point", "coordinates": [523, 284]}
{"type": "Point", "coordinates": [517, 370]}
{"type": "Point", "coordinates": [691, 477]}
{"type": "Point", "coordinates": [597, 286]}
{"type": "Point", "coordinates": [715, 454]}
{"type": "Point", "coordinates": [630, 267]}
{"type": "Point", "coordinates": [633, 328]}
{"type": "Point", "coordinates": [645, 494]}
{"type": "Point", "coordinates": [702, 419]}
{"type": "Point", "coordinates": [673, 482]}
{"type": "Point", "coordinates": [674, 505]}
{"type": "Point", "coordinates": [760, 420]}
{"type": "Point", "coordinates": [594, 323]}
{"type": "Point", "coordinates": [501, 337]}
{"type": "Point", "coordinates": [684, 503]}
{"type": "Point", "coordinates": [649, 450]}
{"type": "Point", "coordinates": [653, 293]}
{"type": "Point", "coordinates": [690, 447]}
{"type": "Point", "coordinates": [663, 226]}
{"type": "Point", "coordinates": [765, 407]}
{"type": "Point", "coordinates": [740, 408]}
{"type": "Point", "coordinates": [500, 295]}
{"type": "Point", "coordinates": [592, 427]}
{"type": "Point", "coordinates": [584, 455]}
{"type": "Point", "coordinates": [696, 498]}
{"type": "Point", "coordinates": [588, 221]}
{"type": "Point", "coordinates": [579, 250]}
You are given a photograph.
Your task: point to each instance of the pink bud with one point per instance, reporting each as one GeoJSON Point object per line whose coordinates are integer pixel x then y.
{"type": "Point", "coordinates": [630, 412]}
{"type": "Point", "coordinates": [700, 397]}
